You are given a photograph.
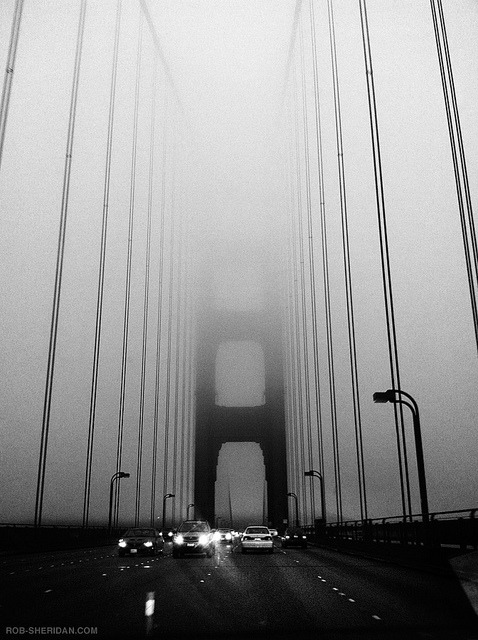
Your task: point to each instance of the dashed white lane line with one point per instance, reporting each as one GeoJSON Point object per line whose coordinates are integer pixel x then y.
{"type": "Point", "coordinates": [48, 591]}
{"type": "Point", "coordinates": [341, 593]}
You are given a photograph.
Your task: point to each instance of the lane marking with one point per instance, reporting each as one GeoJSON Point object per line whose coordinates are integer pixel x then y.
{"type": "Point", "coordinates": [351, 600]}
{"type": "Point", "coordinates": [376, 618]}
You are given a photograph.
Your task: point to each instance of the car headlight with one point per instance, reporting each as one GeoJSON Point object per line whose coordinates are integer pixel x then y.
{"type": "Point", "coordinates": [148, 543]}
{"type": "Point", "coordinates": [228, 536]}
{"type": "Point", "coordinates": [179, 539]}
{"type": "Point", "coordinates": [287, 537]}
{"type": "Point", "coordinates": [203, 539]}
{"type": "Point", "coordinates": [122, 543]}
{"type": "Point", "coordinates": [216, 536]}
{"type": "Point", "coordinates": [305, 537]}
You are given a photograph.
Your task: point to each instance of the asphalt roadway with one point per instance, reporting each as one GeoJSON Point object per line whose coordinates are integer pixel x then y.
{"type": "Point", "coordinates": [292, 593]}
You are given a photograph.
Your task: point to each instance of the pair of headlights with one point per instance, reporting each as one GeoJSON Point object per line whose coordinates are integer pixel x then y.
{"type": "Point", "coordinates": [124, 544]}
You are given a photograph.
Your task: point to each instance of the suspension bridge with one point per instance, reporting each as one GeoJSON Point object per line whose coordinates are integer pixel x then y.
{"type": "Point", "coordinates": [228, 229]}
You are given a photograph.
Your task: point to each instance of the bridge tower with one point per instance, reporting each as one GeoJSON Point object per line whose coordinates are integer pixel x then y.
{"type": "Point", "coordinates": [263, 424]}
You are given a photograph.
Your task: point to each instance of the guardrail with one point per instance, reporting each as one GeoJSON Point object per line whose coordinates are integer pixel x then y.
{"type": "Point", "coordinates": [445, 529]}
{"type": "Point", "coordinates": [25, 537]}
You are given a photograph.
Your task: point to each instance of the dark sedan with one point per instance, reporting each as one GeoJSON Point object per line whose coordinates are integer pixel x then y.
{"type": "Point", "coordinates": [294, 536]}
{"type": "Point", "coordinates": [141, 541]}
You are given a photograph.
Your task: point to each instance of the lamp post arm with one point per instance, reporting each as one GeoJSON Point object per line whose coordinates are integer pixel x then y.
{"type": "Point", "coordinates": [414, 405]}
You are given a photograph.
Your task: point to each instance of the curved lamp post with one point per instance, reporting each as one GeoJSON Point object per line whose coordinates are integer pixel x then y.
{"type": "Point", "coordinates": [317, 474]}
{"type": "Point", "coordinates": [115, 476]}
{"type": "Point", "coordinates": [394, 396]}
{"type": "Point", "coordinates": [168, 495]}
{"type": "Point", "coordinates": [293, 495]}
{"type": "Point", "coordinates": [187, 512]}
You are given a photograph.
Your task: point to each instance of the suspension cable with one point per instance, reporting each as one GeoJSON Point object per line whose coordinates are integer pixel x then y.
{"type": "Point", "coordinates": [101, 273]}
{"type": "Point", "coordinates": [167, 425]}
{"type": "Point", "coordinates": [458, 157]}
{"type": "Point", "coordinates": [310, 258]}
{"type": "Point", "coordinates": [159, 318]}
{"type": "Point", "coordinates": [9, 71]}
{"type": "Point", "coordinates": [59, 271]}
{"type": "Point", "coordinates": [313, 295]}
{"type": "Point", "coordinates": [300, 311]}
{"type": "Point", "coordinates": [326, 283]}
{"type": "Point", "coordinates": [385, 262]}
{"type": "Point", "coordinates": [124, 363]}
{"type": "Point", "coordinates": [347, 268]}
{"type": "Point", "coordinates": [146, 297]}
{"type": "Point", "coordinates": [177, 350]}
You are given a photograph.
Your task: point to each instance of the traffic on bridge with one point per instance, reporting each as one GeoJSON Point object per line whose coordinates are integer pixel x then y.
{"type": "Point", "coordinates": [239, 335]}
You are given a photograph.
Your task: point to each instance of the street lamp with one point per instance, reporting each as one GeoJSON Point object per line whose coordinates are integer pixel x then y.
{"type": "Point", "coordinates": [393, 395]}
{"type": "Point", "coordinates": [293, 495]}
{"type": "Point", "coordinates": [115, 476]}
{"type": "Point", "coordinates": [168, 495]}
{"type": "Point", "coordinates": [317, 474]}
{"type": "Point", "coordinates": [189, 506]}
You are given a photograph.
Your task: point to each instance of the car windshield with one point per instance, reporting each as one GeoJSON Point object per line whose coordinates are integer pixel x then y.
{"type": "Point", "coordinates": [139, 533]}
{"type": "Point", "coordinates": [295, 532]}
{"type": "Point", "coordinates": [224, 530]}
{"type": "Point", "coordinates": [257, 530]}
{"type": "Point", "coordinates": [194, 526]}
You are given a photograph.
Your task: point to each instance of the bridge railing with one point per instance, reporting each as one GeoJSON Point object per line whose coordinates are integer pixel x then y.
{"type": "Point", "coordinates": [25, 537]}
{"type": "Point", "coordinates": [445, 529]}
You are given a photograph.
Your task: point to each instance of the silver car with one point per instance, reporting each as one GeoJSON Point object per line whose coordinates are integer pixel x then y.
{"type": "Point", "coordinates": [257, 538]}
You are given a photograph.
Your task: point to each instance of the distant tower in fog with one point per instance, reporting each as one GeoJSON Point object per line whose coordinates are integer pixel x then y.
{"type": "Point", "coordinates": [240, 398]}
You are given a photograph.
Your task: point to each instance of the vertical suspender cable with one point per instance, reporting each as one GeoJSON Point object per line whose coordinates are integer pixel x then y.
{"type": "Point", "coordinates": [119, 447]}
{"type": "Point", "coordinates": [311, 268]}
{"type": "Point", "coordinates": [291, 378]}
{"type": "Point", "coordinates": [325, 267]}
{"type": "Point", "coordinates": [300, 313]}
{"type": "Point", "coordinates": [185, 341]}
{"type": "Point", "coordinates": [177, 351]}
{"type": "Point", "coordinates": [294, 308]}
{"type": "Point", "coordinates": [9, 71]}
{"type": "Point", "coordinates": [159, 323]}
{"type": "Point", "coordinates": [139, 462]}
{"type": "Point", "coordinates": [385, 261]}
{"type": "Point", "coordinates": [458, 157]}
{"type": "Point", "coordinates": [59, 271]}
{"type": "Point", "coordinates": [167, 425]}
{"type": "Point", "coordinates": [101, 273]}
{"type": "Point", "coordinates": [347, 268]}
{"type": "Point", "coordinates": [315, 342]}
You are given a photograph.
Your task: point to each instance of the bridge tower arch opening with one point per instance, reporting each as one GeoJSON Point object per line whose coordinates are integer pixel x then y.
{"type": "Point", "coordinates": [240, 496]}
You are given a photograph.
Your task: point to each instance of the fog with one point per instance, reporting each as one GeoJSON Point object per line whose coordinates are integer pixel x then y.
{"type": "Point", "coordinates": [228, 214]}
